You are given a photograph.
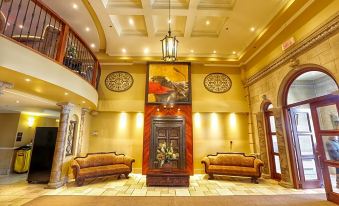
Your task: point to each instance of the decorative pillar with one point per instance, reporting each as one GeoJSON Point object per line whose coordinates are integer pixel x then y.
{"type": "Point", "coordinates": [262, 144]}
{"type": "Point", "coordinates": [283, 149]}
{"type": "Point", "coordinates": [55, 180]}
{"type": "Point", "coordinates": [81, 133]}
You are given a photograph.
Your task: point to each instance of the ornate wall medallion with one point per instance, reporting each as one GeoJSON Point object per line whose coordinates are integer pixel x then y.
{"type": "Point", "coordinates": [217, 83]}
{"type": "Point", "coordinates": [119, 81]}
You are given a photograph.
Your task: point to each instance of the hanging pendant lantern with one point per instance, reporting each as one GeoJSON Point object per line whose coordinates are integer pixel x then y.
{"type": "Point", "coordinates": [169, 43]}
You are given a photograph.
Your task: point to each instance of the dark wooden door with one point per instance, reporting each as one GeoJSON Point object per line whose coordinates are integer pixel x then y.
{"type": "Point", "coordinates": [326, 125]}
{"type": "Point", "coordinates": [304, 145]}
{"type": "Point", "coordinates": [168, 131]}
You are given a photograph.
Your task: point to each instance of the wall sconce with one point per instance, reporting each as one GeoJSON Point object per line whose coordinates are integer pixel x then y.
{"type": "Point", "coordinates": [30, 121]}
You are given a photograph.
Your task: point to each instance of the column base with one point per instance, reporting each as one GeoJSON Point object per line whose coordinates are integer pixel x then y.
{"type": "Point", "coordinates": [286, 184]}
{"type": "Point", "coordinates": [55, 185]}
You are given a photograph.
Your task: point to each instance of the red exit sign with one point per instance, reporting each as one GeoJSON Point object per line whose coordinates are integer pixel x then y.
{"type": "Point", "coordinates": [288, 43]}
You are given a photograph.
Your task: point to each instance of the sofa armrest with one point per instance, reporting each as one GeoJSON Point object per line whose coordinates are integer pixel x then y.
{"type": "Point", "coordinates": [128, 161]}
{"type": "Point", "coordinates": [206, 162]}
{"type": "Point", "coordinates": [76, 168]}
{"type": "Point", "coordinates": [258, 164]}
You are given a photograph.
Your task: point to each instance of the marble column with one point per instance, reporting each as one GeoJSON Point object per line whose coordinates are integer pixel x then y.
{"type": "Point", "coordinates": [81, 133]}
{"type": "Point", "coordinates": [262, 143]}
{"type": "Point", "coordinates": [283, 149]}
{"type": "Point", "coordinates": [55, 180]}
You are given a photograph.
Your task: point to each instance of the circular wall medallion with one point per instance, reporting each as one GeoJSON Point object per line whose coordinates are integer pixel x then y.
{"type": "Point", "coordinates": [217, 83]}
{"type": "Point", "coordinates": [119, 81]}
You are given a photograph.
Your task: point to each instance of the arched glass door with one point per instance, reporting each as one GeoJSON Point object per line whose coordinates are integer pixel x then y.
{"type": "Point", "coordinates": [305, 89]}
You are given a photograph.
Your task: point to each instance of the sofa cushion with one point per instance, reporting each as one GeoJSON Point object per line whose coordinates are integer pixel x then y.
{"type": "Point", "coordinates": [104, 170]}
{"type": "Point", "coordinates": [100, 160]}
{"type": "Point", "coordinates": [232, 170]}
{"type": "Point", "coordinates": [232, 160]}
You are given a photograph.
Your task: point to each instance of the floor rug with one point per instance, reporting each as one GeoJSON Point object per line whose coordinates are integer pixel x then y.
{"type": "Point", "coordinates": [237, 200]}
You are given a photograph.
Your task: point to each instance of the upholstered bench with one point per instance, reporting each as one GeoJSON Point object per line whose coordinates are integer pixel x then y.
{"type": "Point", "coordinates": [101, 164]}
{"type": "Point", "coordinates": [233, 164]}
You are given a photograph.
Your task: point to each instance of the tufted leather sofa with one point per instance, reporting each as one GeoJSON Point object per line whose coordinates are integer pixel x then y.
{"type": "Point", "coordinates": [101, 164]}
{"type": "Point", "coordinates": [234, 164]}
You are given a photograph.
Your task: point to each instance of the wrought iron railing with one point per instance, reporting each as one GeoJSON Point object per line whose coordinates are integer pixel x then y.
{"type": "Point", "coordinates": [33, 24]}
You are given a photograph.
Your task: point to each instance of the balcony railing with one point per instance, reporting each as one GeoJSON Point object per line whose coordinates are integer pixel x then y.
{"type": "Point", "coordinates": [33, 24]}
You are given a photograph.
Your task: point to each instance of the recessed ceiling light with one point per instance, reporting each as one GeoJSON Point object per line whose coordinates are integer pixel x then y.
{"type": "Point", "coordinates": [131, 21]}
{"type": "Point", "coordinates": [66, 93]}
{"type": "Point", "coordinates": [17, 101]}
{"type": "Point", "coordinates": [87, 29]}
{"type": "Point", "coordinates": [208, 22]}
{"type": "Point", "coordinates": [83, 102]}
{"type": "Point", "coordinates": [27, 80]}
{"type": "Point", "coordinates": [75, 6]}
{"type": "Point", "coordinates": [146, 50]}
{"type": "Point", "coordinates": [252, 29]}
{"type": "Point", "coordinates": [123, 50]}
{"type": "Point", "coordinates": [21, 26]}
{"type": "Point", "coordinates": [192, 51]}
{"type": "Point", "coordinates": [234, 52]}
{"type": "Point", "coordinates": [214, 52]}
{"type": "Point", "coordinates": [93, 45]}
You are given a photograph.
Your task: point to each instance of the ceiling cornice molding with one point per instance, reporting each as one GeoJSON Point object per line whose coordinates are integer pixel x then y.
{"type": "Point", "coordinates": [97, 24]}
{"type": "Point", "coordinates": [278, 23]}
{"type": "Point", "coordinates": [324, 32]}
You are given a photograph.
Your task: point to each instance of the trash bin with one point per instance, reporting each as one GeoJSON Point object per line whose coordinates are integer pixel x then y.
{"type": "Point", "coordinates": [22, 159]}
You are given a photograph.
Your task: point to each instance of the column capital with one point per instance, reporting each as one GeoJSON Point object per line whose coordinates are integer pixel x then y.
{"type": "Point", "coordinates": [5, 85]}
{"type": "Point", "coordinates": [84, 110]}
{"type": "Point", "coordinates": [66, 107]}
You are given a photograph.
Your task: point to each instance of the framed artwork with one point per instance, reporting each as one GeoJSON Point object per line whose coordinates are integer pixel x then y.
{"type": "Point", "coordinates": [168, 83]}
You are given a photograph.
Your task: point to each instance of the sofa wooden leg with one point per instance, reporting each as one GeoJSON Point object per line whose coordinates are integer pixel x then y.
{"type": "Point", "coordinates": [255, 180]}
{"type": "Point", "coordinates": [80, 181]}
{"type": "Point", "coordinates": [126, 175]}
{"type": "Point", "coordinates": [210, 176]}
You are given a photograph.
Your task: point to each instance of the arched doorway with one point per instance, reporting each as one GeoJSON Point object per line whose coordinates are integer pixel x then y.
{"type": "Point", "coordinates": [311, 107]}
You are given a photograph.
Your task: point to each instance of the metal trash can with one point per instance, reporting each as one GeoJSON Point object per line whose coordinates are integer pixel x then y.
{"type": "Point", "coordinates": [22, 159]}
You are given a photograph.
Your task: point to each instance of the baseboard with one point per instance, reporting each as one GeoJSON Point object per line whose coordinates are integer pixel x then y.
{"type": "Point", "coordinates": [137, 170]}
{"type": "Point", "coordinates": [266, 176]}
{"type": "Point", "coordinates": [5, 171]}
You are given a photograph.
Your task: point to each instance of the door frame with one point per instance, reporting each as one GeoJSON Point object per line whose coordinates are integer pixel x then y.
{"type": "Point", "coordinates": [331, 100]}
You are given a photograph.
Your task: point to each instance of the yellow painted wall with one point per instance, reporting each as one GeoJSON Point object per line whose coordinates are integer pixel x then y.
{"type": "Point", "coordinates": [213, 132]}
{"type": "Point", "coordinates": [133, 100]}
{"type": "Point", "coordinates": [301, 27]}
{"type": "Point", "coordinates": [29, 132]}
{"type": "Point", "coordinates": [118, 132]}
{"type": "Point", "coordinates": [106, 133]}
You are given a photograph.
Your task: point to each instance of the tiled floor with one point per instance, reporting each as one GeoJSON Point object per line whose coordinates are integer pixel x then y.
{"type": "Point", "coordinates": [14, 190]}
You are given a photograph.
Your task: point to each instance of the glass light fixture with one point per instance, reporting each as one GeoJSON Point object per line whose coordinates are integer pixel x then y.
{"type": "Point", "coordinates": [169, 43]}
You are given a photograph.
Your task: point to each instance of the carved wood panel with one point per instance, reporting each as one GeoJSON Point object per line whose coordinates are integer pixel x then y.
{"type": "Point", "coordinates": [184, 111]}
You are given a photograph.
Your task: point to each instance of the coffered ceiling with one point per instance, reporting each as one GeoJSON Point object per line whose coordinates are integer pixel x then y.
{"type": "Point", "coordinates": [205, 28]}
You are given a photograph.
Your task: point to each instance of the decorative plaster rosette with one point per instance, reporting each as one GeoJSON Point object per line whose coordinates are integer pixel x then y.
{"type": "Point", "coordinates": [119, 81]}
{"type": "Point", "coordinates": [217, 83]}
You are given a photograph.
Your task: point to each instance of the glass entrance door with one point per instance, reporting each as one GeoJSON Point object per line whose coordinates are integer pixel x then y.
{"type": "Point", "coordinates": [305, 143]}
{"type": "Point", "coordinates": [326, 125]}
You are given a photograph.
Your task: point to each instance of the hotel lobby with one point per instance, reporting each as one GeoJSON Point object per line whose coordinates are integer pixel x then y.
{"type": "Point", "coordinates": [169, 102]}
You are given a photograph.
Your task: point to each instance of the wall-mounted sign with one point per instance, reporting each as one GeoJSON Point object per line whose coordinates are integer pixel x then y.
{"type": "Point", "coordinates": [288, 43]}
{"type": "Point", "coordinates": [19, 136]}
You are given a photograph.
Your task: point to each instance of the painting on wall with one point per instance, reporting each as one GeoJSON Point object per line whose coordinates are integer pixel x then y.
{"type": "Point", "coordinates": [168, 83]}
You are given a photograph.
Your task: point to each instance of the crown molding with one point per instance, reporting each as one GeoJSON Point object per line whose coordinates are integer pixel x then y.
{"type": "Point", "coordinates": [325, 31]}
